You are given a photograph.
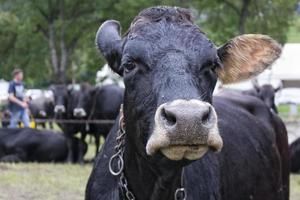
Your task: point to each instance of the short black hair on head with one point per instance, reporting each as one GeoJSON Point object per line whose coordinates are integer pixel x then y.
{"type": "Point", "coordinates": [158, 13]}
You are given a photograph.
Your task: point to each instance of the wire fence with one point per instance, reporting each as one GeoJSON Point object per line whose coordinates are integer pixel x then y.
{"type": "Point", "coordinates": [68, 121]}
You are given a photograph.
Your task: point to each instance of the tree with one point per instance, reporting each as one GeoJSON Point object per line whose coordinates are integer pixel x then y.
{"type": "Point", "coordinates": [63, 23]}
{"type": "Point", "coordinates": [53, 40]}
{"type": "Point", "coordinates": [224, 19]}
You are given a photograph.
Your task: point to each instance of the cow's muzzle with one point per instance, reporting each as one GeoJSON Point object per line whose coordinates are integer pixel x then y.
{"type": "Point", "coordinates": [184, 129]}
{"type": "Point", "coordinates": [42, 113]}
{"type": "Point", "coordinates": [79, 112]}
{"type": "Point", "coordinates": [59, 109]}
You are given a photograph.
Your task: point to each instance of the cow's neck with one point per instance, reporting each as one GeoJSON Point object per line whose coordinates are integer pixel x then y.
{"type": "Point", "coordinates": [146, 181]}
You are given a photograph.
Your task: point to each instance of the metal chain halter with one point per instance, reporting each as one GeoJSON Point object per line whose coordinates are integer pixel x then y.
{"type": "Point", "coordinates": [180, 193]}
{"type": "Point", "coordinates": [118, 170]}
{"type": "Point", "coordinates": [118, 159]}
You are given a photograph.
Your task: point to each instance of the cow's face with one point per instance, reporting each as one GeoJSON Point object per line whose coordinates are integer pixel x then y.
{"type": "Point", "coordinates": [82, 100]}
{"type": "Point", "coordinates": [170, 69]}
{"type": "Point", "coordinates": [267, 94]}
{"type": "Point", "coordinates": [60, 93]}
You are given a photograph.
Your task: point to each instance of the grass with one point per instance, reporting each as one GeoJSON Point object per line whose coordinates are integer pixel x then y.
{"type": "Point", "coordinates": [294, 31]}
{"type": "Point", "coordinates": [295, 187]}
{"type": "Point", "coordinates": [34, 181]}
{"type": "Point", "coordinates": [285, 108]}
{"type": "Point", "coordinates": [49, 181]}
{"type": "Point", "coordinates": [43, 181]}
{"type": "Point", "coordinates": [284, 112]}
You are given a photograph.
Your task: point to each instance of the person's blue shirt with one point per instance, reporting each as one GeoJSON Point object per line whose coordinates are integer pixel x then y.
{"type": "Point", "coordinates": [18, 90]}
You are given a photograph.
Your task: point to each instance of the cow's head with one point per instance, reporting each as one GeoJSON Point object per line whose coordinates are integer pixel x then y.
{"type": "Point", "coordinates": [82, 100]}
{"type": "Point", "coordinates": [60, 93]}
{"type": "Point", "coordinates": [267, 93]}
{"type": "Point", "coordinates": [170, 69]}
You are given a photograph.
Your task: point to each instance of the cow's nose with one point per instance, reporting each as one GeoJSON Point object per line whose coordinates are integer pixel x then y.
{"type": "Point", "coordinates": [179, 117]}
{"type": "Point", "coordinates": [43, 113]}
{"type": "Point", "coordinates": [186, 122]}
{"type": "Point", "coordinates": [59, 109]}
{"type": "Point", "coordinates": [184, 129]}
{"type": "Point", "coordinates": [79, 112]}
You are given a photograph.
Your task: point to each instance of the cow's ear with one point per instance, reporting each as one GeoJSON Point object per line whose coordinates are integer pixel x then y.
{"type": "Point", "coordinates": [278, 88]}
{"type": "Point", "coordinates": [70, 89]}
{"type": "Point", "coordinates": [255, 85]}
{"type": "Point", "coordinates": [246, 56]}
{"type": "Point", "coordinates": [51, 88]}
{"type": "Point", "coordinates": [109, 42]}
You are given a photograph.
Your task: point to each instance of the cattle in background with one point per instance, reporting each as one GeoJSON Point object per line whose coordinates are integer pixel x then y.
{"type": "Point", "coordinates": [42, 108]}
{"type": "Point", "coordinates": [31, 145]}
{"type": "Point", "coordinates": [97, 103]}
{"type": "Point", "coordinates": [295, 156]}
{"type": "Point", "coordinates": [266, 93]}
{"type": "Point", "coordinates": [63, 101]}
{"type": "Point", "coordinates": [87, 103]}
{"type": "Point", "coordinates": [173, 124]}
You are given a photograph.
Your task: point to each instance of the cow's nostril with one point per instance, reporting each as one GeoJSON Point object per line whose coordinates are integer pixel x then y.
{"type": "Point", "coordinates": [206, 116]}
{"type": "Point", "coordinates": [168, 117]}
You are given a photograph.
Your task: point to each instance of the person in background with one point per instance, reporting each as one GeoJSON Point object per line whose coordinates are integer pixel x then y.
{"type": "Point", "coordinates": [17, 103]}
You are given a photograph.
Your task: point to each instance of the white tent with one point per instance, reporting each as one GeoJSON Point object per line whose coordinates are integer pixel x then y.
{"type": "Point", "coordinates": [287, 67]}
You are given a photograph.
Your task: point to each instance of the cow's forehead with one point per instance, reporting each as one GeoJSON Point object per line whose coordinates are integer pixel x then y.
{"type": "Point", "coordinates": [155, 39]}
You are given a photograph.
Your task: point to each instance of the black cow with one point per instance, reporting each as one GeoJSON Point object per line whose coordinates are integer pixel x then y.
{"type": "Point", "coordinates": [100, 103]}
{"type": "Point", "coordinates": [42, 108]}
{"type": "Point", "coordinates": [295, 156]}
{"type": "Point", "coordinates": [172, 122]}
{"type": "Point", "coordinates": [266, 93]}
{"type": "Point", "coordinates": [64, 101]}
{"type": "Point", "coordinates": [31, 145]}
{"type": "Point", "coordinates": [88, 103]}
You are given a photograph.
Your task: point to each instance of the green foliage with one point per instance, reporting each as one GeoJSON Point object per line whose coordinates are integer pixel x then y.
{"type": "Point", "coordinates": [294, 30]}
{"type": "Point", "coordinates": [25, 27]}
{"type": "Point", "coordinates": [221, 18]}
{"type": "Point", "coordinates": [21, 50]}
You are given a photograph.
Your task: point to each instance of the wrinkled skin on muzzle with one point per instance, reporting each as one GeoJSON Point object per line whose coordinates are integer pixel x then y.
{"type": "Point", "coordinates": [170, 69]}
{"type": "Point", "coordinates": [184, 129]}
{"type": "Point", "coordinates": [82, 101]}
{"type": "Point", "coordinates": [60, 93]}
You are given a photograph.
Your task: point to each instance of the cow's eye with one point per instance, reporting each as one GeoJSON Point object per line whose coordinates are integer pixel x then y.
{"type": "Point", "coordinates": [213, 67]}
{"type": "Point", "coordinates": [128, 67]}
{"type": "Point", "coordinates": [210, 67]}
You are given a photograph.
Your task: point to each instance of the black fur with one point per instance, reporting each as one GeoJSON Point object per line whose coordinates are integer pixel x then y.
{"type": "Point", "coordinates": [295, 156]}
{"type": "Point", "coordinates": [31, 145]}
{"type": "Point", "coordinates": [165, 57]}
{"type": "Point", "coordinates": [266, 93]}
{"type": "Point", "coordinates": [100, 103]}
